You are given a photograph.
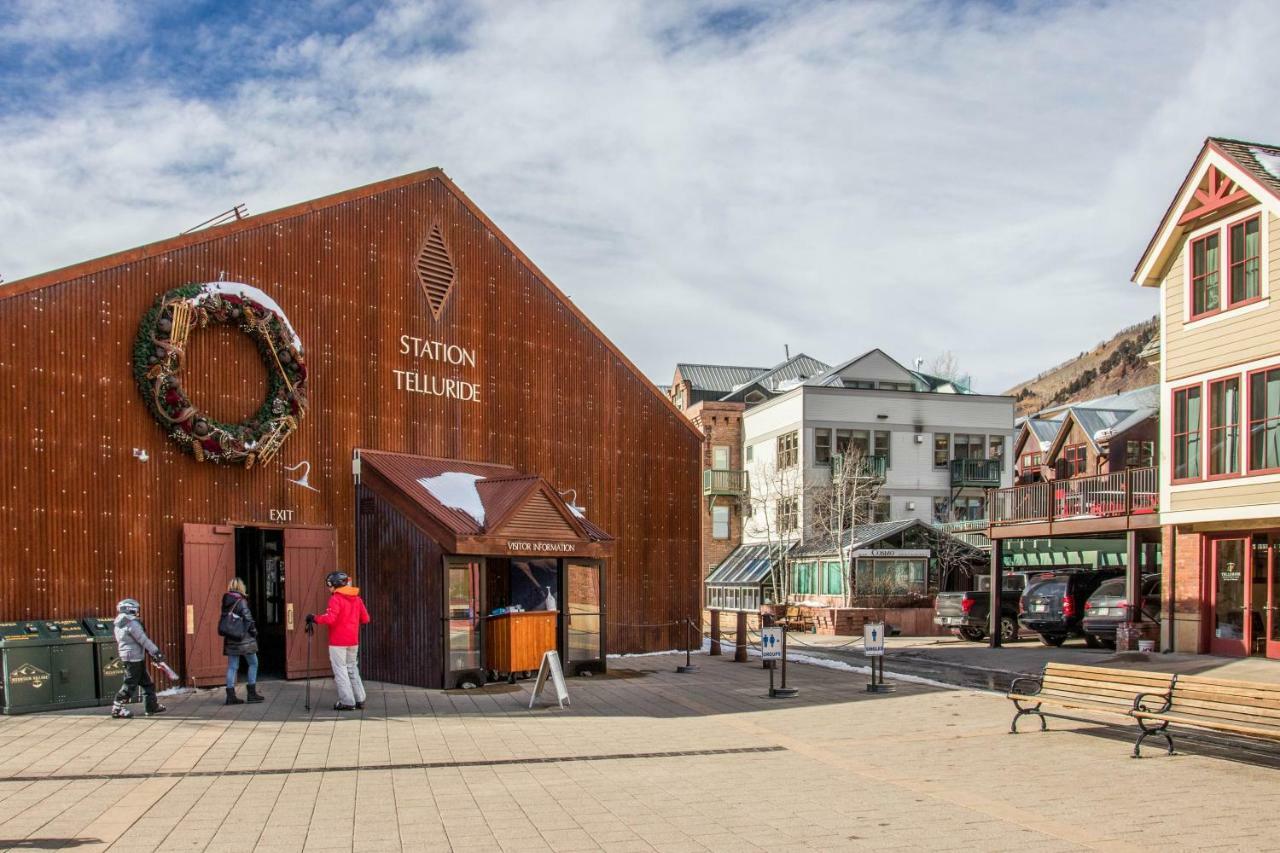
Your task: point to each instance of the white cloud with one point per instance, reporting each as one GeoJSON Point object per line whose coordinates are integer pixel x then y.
{"type": "Point", "coordinates": [61, 21]}
{"type": "Point", "coordinates": [920, 177]}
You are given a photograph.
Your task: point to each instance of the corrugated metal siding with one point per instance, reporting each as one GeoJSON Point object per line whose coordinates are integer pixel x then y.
{"type": "Point", "coordinates": [85, 523]}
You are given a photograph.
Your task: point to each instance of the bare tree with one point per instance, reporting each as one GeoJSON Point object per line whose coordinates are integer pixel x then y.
{"type": "Point", "coordinates": [955, 557]}
{"type": "Point", "coordinates": [774, 503]}
{"type": "Point", "coordinates": [836, 507]}
{"type": "Point", "coordinates": [946, 366]}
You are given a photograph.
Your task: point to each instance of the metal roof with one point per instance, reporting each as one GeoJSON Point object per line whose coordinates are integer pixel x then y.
{"type": "Point", "coordinates": [781, 377]}
{"type": "Point", "coordinates": [859, 536]}
{"type": "Point", "coordinates": [746, 566]}
{"type": "Point", "coordinates": [717, 377]}
{"type": "Point", "coordinates": [1044, 430]}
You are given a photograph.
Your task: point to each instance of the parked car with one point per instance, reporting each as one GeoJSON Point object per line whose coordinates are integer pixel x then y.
{"type": "Point", "coordinates": [1053, 604]}
{"type": "Point", "coordinates": [1107, 608]}
{"type": "Point", "coordinates": [967, 613]}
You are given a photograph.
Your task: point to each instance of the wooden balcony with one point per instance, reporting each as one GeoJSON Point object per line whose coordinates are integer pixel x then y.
{"type": "Point", "coordinates": [717, 482]}
{"type": "Point", "coordinates": [1124, 500]}
{"type": "Point", "coordinates": [972, 533]}
{"type": "Point", "coordinates": [979, 473]}
{"type": "Point", "coordinates": [870, 466]}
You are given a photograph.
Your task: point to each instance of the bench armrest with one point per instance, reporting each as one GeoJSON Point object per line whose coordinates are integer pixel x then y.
{"type": "Point", "coordinates": [1140, 702]}
{"type": "Point", "coordinates": [1034, 682]}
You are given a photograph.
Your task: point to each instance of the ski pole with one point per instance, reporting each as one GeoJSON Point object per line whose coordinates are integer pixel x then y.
{"type": "Point", "coordinates": [311, 630]}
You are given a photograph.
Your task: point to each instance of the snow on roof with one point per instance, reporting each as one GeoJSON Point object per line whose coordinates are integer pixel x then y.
{"type": "Point", "coordinates": [457, 490]}
{"type": "Point", "coordinates": [1268, 160]}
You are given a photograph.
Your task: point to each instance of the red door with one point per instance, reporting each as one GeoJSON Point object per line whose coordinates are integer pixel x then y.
{"type": "Point", "coordinates": [1230, 627]}
{"type": "Point", "coordinates": [309, 554]}
{"type": "Point", "coordinates": [208, 564]}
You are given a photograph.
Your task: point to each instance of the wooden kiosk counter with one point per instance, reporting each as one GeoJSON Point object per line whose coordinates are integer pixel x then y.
{"type": "Point", "coordinates": [516, 642]}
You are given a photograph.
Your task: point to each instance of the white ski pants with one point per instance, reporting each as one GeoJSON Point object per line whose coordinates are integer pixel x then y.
{"type": "Point", "coordinates": [346, 673]}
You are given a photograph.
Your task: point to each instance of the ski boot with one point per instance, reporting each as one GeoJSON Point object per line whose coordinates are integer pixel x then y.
{"type": "Point", "coordinates": [156, 709]}
{"type": "Point", "coordinates": [120, 712]}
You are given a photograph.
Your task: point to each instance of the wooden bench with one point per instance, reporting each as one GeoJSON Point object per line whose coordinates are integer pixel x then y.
{"type": "Point", "coordinates": [793, 619]}
{"type": "Point", "coordinates": [1085, 688]}
{"type": "Point", "coordinates": [1243, 708]}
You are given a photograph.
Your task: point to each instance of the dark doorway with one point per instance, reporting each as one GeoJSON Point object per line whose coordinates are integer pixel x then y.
{"type": "Point", "coordinates": [260, 564]}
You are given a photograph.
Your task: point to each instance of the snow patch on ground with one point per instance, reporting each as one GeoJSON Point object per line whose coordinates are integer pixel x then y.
{"type": "Point", "coordinates": [827, 663]}
{"type": "Point", "coordinates": [176, 691]}
{"type": "Point", "coordinates": [235, 288]}
{"type": "Point", "coordinates": [649, 654]}
{"type": "Point", "coordinates": [457, 491]}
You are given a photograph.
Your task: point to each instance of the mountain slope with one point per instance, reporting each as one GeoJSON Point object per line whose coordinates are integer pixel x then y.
{"type": "Point", "coordinates": [1109, 368]}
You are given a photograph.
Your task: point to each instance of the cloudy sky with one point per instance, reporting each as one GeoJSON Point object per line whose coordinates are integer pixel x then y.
{"type": "Point", "coordinates": [709, 182]}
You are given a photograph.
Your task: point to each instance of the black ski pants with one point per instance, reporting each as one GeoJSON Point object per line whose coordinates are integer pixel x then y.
{"type": "Point", "coordinates": [136, 675]}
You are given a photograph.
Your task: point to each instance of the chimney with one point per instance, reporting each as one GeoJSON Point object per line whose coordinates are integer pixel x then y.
{"type": "Point", "coordinates": [786, 348]}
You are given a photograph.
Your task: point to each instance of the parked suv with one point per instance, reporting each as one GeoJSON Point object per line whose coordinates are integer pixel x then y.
{"type": "Point", "coordinates": [1107, 608]}
{"type": "Point", "coordinates": [1053, 605]}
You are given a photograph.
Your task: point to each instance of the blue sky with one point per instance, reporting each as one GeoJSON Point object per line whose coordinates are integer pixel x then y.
{"type": "Point", "coordinates": [708, 181]}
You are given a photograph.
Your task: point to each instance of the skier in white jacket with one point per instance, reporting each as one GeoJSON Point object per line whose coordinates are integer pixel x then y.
{"type": "Point", "coordinates": [134, 645]}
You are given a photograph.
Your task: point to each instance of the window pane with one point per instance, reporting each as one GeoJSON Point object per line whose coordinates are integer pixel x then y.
{"type": "Point", "coordinates": [822, 446]}
{"type": "Point", "coordinates": [941, 449]}
{"type": "Point", "coordinates": [720, 457]}
{"type": "Point", "coordinates": [1224, 427]}
{"type": "Point", "coordinates": [584, 638]}
{"type": "Point", "coordinates": [720, 522]}
{"type": "Point", "coordinates": [882, 438]}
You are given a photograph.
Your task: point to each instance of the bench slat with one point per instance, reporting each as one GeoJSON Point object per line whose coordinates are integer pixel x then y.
{"type": "Point", "coordinates": [1220, 703]}
{"type": "Point", "coordinates": [1131, 687]}
{"type": "Point", "coordinates": [1220, 725]}
{"type": "Point", "coordinates": [1247, 695]}
{"type": "Point", "coordinates": [1116, 699]}
{"type": "Point", "coordinates": [1104, 673]}
{"type": "Point", "coordinates": [1229, 683]}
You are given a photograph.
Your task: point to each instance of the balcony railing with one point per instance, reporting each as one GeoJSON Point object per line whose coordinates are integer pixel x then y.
{"type": "Point", "coordinates": [717, 482]}
{"type": "Point", "coordinates": [972, 532]}
{"type": "Point", "coordinates": [1132, 492]}
{"type": "Point", "coordinates": [869, 466]}
{"type": "Point", "coordinates": [984, 473]}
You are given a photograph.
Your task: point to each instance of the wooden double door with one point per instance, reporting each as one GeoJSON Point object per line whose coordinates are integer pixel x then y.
{"type": "Point", "coordinates": [1242, 600]}
{"type": "Point", "coordinates": [209, 563]}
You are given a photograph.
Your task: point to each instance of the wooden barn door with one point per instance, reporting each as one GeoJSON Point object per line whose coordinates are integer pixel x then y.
{"type": "Point", "coordinates": [208, 565]}
{"type": "Point", "coordinates": [309, 554]}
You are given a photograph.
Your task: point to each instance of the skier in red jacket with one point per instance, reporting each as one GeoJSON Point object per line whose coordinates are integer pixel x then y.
{"type": "Point", "coordinates": [344, 616]}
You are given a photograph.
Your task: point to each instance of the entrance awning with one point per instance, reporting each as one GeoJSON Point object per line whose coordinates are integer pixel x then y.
{"type": "Point", "coordinates": [482, 509]}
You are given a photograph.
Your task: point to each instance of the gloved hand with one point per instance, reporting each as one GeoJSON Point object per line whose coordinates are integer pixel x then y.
{"type": "Point", "coordinates": [158, 658]}
{"type": "Point", "coordinates": [311, 619]}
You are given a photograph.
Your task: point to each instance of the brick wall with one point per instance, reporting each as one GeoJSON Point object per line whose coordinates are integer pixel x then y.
{"type": "Point", "coordinates": [721, 424]}
{"type": "Point", "coordinates": [1184, 582]}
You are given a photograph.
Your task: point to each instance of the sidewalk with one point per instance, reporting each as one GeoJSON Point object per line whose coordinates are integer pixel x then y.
{"type": "Point", "coordinates": [644, 759]}
{"type": "Point", "coordinates": [955, 661]}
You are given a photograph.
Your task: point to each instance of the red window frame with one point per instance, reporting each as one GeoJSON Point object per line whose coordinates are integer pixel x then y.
{"type": "Point", "coordinates": [1076, 459]}
{"type": "Point", "coordinates": [1206, 407]}
{"type": "Point", "coordinates": [1195, 280]}
{"type": "Point", "coordinates": [1173, 434]}
{"type": "Point", "coordinates": [1233, 262]}
{"type": "Point", "coordinates": [1249, 420]}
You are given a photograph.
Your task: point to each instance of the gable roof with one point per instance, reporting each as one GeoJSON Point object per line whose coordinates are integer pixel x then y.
{"type": "Point", "coordinates": [460, 500]}
{"type": "Point", "coordinates": [262, 220]}
{"type": "Point", "coordinates": [747, 565]}
{"type": "Point", "coordinates": [1043, 431]}
{"type": "Point", "coordinates": [831, 377]}
{"type": "Point", "coordinates": [1098, 425]}
{"type": "Point", "coordinates": [717, 377]}
{"type": "Point", "coordinates": [1254, 166]}
{"type": "Point", "coordinates": [780, 378]}
{"type": "Point", "coordinates": [868, 535]}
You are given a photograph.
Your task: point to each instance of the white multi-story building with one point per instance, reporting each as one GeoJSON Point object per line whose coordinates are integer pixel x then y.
{"type": "Point", "coordinates": [935, 446]}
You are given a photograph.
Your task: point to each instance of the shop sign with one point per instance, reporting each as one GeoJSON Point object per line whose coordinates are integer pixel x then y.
{"type": "Point", "coordinates": [429, 381]}
{"type": "Point", "coordinates": [541, 547]}
{"type": "Point", "coordinates": [892, 552]}
{"type": "Point", "coordinates": [30, 675]}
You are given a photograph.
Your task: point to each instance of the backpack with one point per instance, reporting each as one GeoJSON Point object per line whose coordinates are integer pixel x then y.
{"type": "Point", "coordinates": [232, 625]}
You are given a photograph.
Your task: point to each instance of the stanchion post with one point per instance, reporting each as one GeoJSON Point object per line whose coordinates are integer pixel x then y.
{"type": "Point", "coordinates": [740, 641]}
{"type": "Point", "coordinates": [783, 692]}
{"type": "Point", "coordinates": [715, 632]}
{"type": "Point", "coordinates": [688, 665]}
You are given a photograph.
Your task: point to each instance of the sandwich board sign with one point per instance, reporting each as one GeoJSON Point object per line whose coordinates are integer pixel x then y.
{"type": "Point", "coordinates": [550, 669]}
{"type": "Point", "coordinates": [771, 643]}
{"type": "Point", "coordinates": [873, 639]}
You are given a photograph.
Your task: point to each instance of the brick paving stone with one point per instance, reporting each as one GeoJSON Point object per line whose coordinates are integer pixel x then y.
{"type": "Point", "coordinates": [925, 767]}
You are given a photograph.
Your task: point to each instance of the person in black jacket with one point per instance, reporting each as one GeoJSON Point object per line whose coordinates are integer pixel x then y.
{"type": "Point", "coordinates": [239, 640]}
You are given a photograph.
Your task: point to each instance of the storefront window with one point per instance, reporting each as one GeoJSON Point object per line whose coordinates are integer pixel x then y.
{"type": "Point", "coordinates": [802, 579]}
{"type": "Point", "coordinates": [890, 576]}
{"type": "Point", "coordinates": [833, 575]}
{"type": "Point", "coordinates": [583, 595]}
{"type": "Point", "coordinates": [463, 616]}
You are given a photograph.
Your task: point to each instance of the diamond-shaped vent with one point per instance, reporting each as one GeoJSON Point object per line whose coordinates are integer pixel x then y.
{"type": "Point", "coordinates": [435, 271]}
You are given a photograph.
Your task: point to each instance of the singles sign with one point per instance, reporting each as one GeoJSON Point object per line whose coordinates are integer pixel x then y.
{"type": "Point", "coordinates": [430, 357]}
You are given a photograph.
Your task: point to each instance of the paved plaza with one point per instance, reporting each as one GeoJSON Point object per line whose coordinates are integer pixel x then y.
{"type": "Point", "coordinates": [644, 759]}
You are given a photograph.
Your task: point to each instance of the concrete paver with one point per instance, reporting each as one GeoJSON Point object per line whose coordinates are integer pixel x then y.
{"type": "Point", "coordinates": [727, 769]}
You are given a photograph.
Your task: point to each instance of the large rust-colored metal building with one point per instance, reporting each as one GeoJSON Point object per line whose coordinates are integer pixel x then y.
{"type": "Point", "coordinates": [270, 353]}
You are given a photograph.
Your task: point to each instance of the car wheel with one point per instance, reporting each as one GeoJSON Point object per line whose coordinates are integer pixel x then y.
{"type": "Point", "coordinates": [1092, 642]}
{"type": "Point", "coordinates": [1008, 630]}
{"type": "Point", "coordinates": [973, 635]}
{"type": "Point", "coordinates": [1053, 639]}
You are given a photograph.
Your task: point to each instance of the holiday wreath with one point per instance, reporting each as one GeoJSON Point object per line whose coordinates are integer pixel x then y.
{"type": "Point", "coordinates": [158, 356]}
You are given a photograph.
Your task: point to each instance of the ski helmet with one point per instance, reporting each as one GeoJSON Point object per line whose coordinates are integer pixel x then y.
{"type": "Point", "coordinates": [337, 579]}
{"type": "Point", "coordinates": [129, 607]}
